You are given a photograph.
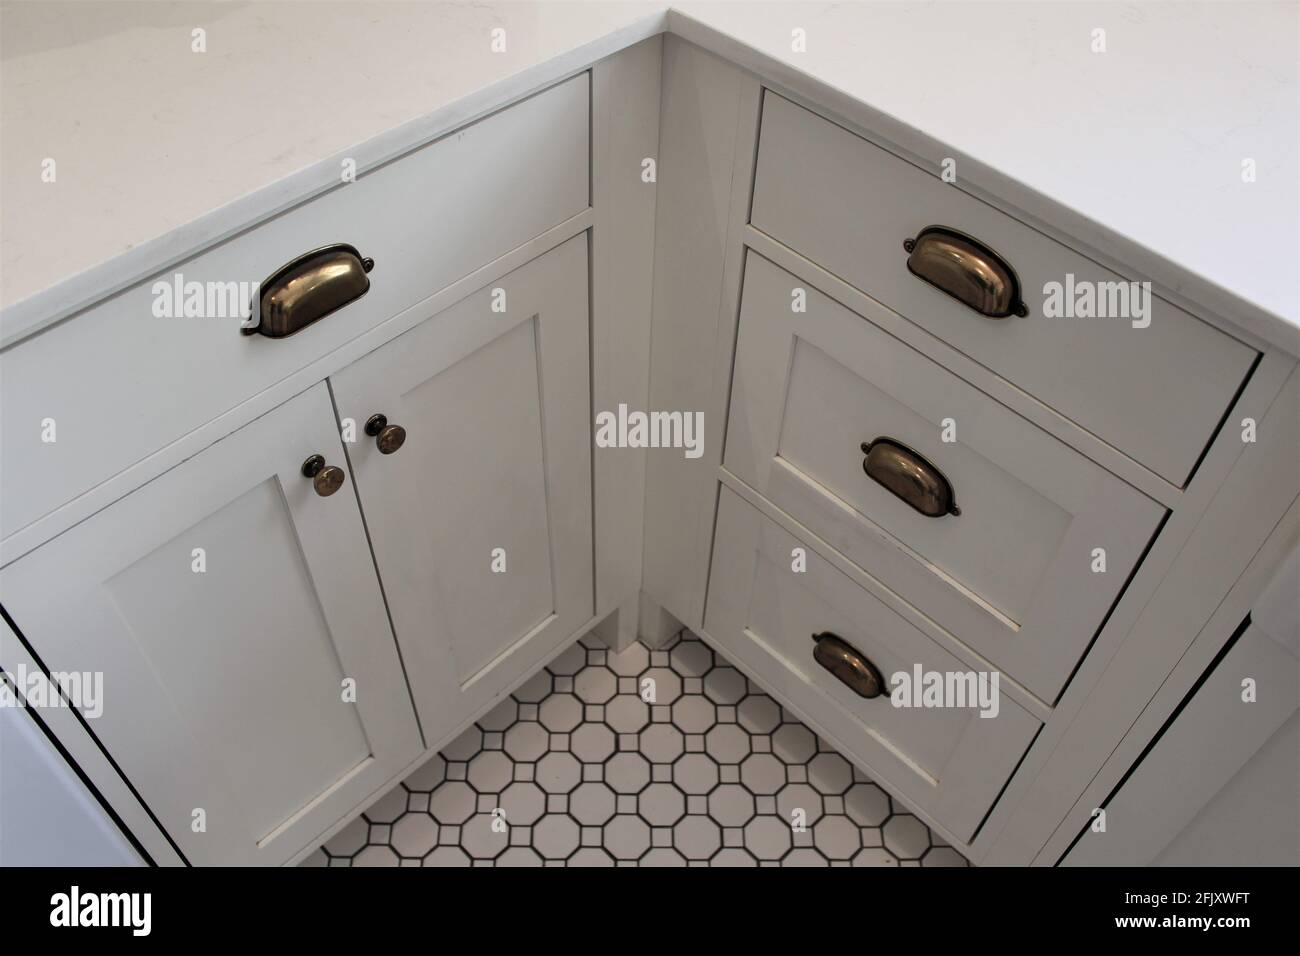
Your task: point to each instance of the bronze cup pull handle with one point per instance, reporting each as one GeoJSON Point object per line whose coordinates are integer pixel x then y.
{"type": "Point", "coordinates": [309, 288]}
{"type": "Point", "coordinates": [847, 665]}
{"type": "Point", "coordinates": [967, 270]}
{"type": "Point", "coordinates": [909, 475]}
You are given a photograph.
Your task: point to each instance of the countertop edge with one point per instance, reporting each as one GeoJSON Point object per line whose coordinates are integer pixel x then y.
{"type": "Point", "coordinates": [80, 291]}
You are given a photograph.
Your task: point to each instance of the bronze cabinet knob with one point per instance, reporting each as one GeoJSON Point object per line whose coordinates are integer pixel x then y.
{"type": "Point", "coordinates": [388, 438]}
{"type": "Point", "coordinates": [326, 479]}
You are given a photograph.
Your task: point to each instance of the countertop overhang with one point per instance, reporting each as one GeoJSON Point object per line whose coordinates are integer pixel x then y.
{"type": "Point", "coordinates": [1140, 152]}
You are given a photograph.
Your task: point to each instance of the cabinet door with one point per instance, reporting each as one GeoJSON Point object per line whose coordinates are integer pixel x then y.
{"type": "Point", "coordinates": [230, 608]}
{"type": "Point", "coordinates": [481, 520]}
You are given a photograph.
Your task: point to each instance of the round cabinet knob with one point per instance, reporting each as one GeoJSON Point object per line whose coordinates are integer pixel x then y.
{"type": "Point", "coordinates": [388, 438]}
{"type": "Point", "coordinates": [326, 479]}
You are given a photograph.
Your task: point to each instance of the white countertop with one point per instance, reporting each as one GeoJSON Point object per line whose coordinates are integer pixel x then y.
{"type": "Point", "coordinates": [161, 151]}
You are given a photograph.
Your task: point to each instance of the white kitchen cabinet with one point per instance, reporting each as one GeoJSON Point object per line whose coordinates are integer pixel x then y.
{"type": "Point", "coordinates": [1009, 575]}
{"type": "Point", "coordinates": [688, 193]}
{"type": "Point", "coordinates": [513, 176]}
{"type": "Point", "coordinates": [481, 519]}
{"type": "Point", "coordinates": [785, 307]}
{"type": "Point", "coordinates": [848, 205]}
{"type": "Point", "coordinates": [950, 761]}
{"type": "Point", "coordinates": [231, 608]}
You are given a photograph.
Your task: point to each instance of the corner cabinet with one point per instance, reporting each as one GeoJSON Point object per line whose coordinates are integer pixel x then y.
{"type": "Point", "coordinates": [252, 691]}
{"type": "Point", "coordinates": [476, 483]}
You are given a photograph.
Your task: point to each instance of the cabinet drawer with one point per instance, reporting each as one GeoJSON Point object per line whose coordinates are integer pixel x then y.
{"type": "Point", "coordinates": [949, 761]}
{"type": "Point", "coordinates": [1011, 574]}
{"type": "Point", "coordinates": [120, 382]}
{"type": "Point", "coordinates": [1156, 393]}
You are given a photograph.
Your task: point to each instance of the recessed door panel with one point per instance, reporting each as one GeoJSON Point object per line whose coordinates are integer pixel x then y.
{"type": "Point", "coordinates": [274, 655]}
{"type": "Point", "coordinates": [480, 517]}
{"type": "Point", "coordinates": [481, 441]}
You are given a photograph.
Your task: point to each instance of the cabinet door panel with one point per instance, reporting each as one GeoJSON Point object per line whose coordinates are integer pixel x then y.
{"type": "Point", "coordinates": [226, 603]}
{"type": "Point", "coordinates": [481, 520]}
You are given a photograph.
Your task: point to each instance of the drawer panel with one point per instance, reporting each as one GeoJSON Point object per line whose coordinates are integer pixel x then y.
{"type": "Point", "coordinates": [949, 761]}
{"type": "Point", "coordinates": [1156, 393]}
{"type": "Point", "coordinates": [1011, 575]}
{"type": "Point", "coordinates": [120, 382]}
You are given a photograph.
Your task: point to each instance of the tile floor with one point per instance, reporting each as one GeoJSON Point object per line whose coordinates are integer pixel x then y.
{"type": "Point", "coordinates": [580, 771]}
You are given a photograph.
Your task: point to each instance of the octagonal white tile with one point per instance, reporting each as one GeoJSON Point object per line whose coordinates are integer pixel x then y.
{"type": "Point", "coordinates": [830, 773]}
{"type": "Point", "coordinates": [694, 713]}
{"type": "Point", "coordinates": [627, 772]}
{"type": "Point", "coordinates": [662, 743]}
{"type": "Point", "coordinates": [867, 804]}
{"type": "Point", "coordinates": [627, 836]}
{"type": "Point", "coordinates": [558, 772]}
{"type": "Point", "coordinates": [526, 741]}
{"type": "Point", "coordinates": [490, 771]}
{"type": "Point", "coordinates": [697, 837]}
{"type": "Point", "coordinates": [695, 773]}
{"type": "Point", "coordinates": [727, 743]}
{"type": "Point", "coordinates": [560, 713]}
{"type": "Point", "coordinates": [906, 837]}
{"type": "Point", "coordinates": [523, 803]}
{"type": "Point", "coordinates": [555, 836]}
{"type": "Point", "coordinates": [592, 743]}
{"type": "Point", "coordinates": [731, 805]}
{"type": "Point", "coordinates": [592, 804]}
{"type": "Point", "coordinates": [595, 685]}
{"type": "Point", "coordinates": [661, 804]}
{"type": "Point", "coordinates": [667, 686]}
{"type": "Point", "coordinates": [453, 802]}
{"type": "Point", "coordinates": [415, 834]}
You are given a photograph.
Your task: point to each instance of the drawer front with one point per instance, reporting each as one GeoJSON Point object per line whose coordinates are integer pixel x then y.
{"type": "Point", "coordinates": [1156, 393]}
{"type": "Point", "coordinates": [1011, 574]}
{"type": "Point", "coordinates": [949, 761]}
{"type": "Point", "coordinates": [120, 382]}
